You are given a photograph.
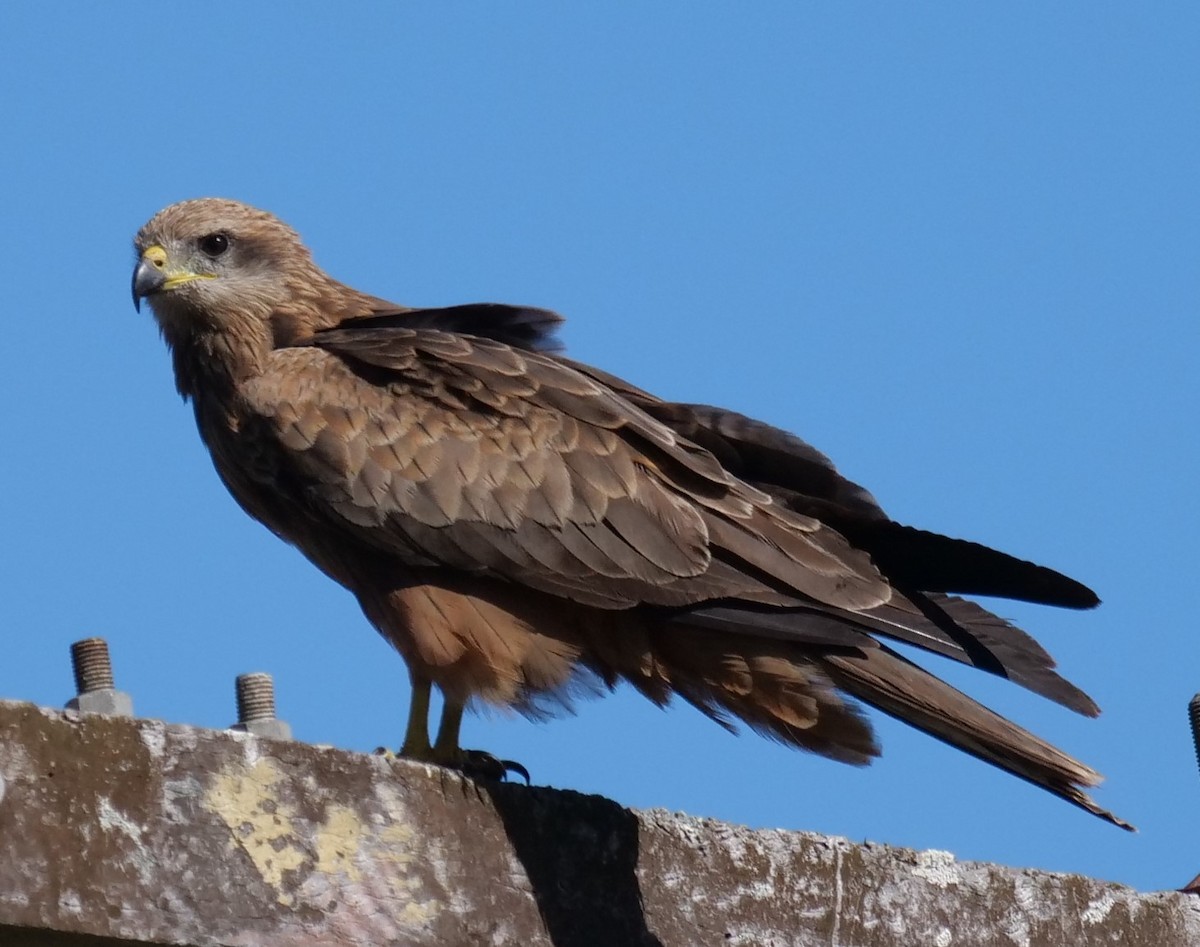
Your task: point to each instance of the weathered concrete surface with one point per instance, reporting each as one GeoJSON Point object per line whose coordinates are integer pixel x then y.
{"type": "Point", "coordinates": [129, 831]}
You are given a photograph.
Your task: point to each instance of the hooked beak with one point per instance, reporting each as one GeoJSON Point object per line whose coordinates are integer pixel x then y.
{"type": "Point", "coordinates": [153, 275]}
{"type": "Point", "coordinates": [149, 276]}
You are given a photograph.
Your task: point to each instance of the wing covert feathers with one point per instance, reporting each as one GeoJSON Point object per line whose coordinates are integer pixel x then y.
{"type": "Point", "coordinates": [507, 463]}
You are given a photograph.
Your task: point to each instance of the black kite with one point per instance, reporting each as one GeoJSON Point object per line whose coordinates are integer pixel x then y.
{"type": "Point", "coordinates": [510, 519]}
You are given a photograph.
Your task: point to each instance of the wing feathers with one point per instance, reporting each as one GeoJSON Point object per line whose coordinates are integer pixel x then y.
{"type": "Point", "coordinates": [545, 447]}
{"type": "Point", "coordinates": [467, 454]}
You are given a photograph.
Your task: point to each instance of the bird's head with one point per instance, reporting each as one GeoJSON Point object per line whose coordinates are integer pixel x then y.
{"type": "Point", "coordinates": [202, 263]}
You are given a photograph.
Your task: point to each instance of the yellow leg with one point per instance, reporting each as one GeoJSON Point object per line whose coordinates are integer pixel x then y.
{"type": "Point", "coordinates": [416, 734]}
{"type": "Point", "coordinates": [446, 747]}
{"type": "Point", "coordinates": [445, 751]}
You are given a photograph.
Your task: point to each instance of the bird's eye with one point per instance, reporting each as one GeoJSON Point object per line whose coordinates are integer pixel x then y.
{"type": "Point", "coordinates": [213, 244]}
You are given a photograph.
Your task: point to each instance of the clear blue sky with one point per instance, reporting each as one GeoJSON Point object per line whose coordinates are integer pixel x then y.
{"type": "Point", "coordinates": [953, 245]}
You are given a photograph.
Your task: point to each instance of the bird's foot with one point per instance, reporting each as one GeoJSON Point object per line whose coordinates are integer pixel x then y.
{"type": "Point", "coordinates": [474, 764]}
{"type": "Point", "coordinates": [479, 764]}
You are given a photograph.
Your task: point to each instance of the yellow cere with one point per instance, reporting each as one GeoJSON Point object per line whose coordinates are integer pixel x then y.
{"type": "Point", "coordinates": [156, 256]}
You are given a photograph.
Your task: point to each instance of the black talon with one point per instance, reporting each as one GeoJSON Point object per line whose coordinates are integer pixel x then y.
{"type": "Point", "coordinates": [480, 765]}
{"type": "Point", "coordinates": [474, 764]}
{"type": "Point", "coordinates": [513, 766]}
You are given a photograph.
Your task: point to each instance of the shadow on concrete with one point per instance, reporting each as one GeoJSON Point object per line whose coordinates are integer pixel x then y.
{"type": "Point", "coordinates": [580, 854]}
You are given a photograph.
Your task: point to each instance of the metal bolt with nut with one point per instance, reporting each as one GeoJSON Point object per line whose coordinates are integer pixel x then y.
{"type": "Point", "coordinates": [256, 707]}
{"type": "Point", "coordinates": [95, 690]}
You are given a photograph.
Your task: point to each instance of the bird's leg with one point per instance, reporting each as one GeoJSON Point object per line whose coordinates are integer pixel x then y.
{"type": "Point", "coordinates": [446, 744]}
{"type": "Point", "coordinates": [445, 751]}
{"type": "Point", "coordinates": [416, 733]}
{"type": "Point", "coordinates": [474, 763]}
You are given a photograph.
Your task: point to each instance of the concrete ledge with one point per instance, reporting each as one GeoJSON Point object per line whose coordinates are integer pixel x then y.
{"type": "Point", "coordinates": [119, 831]}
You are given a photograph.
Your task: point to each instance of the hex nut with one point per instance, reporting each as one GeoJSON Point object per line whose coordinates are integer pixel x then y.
{"type": "Point", "coordinates": [272, 729]}
{"type": "Point", "coordinates": [108, 701]}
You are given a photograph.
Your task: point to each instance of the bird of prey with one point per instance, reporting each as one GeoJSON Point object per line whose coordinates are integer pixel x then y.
{"type": "Point", "coordinates": [513, 521]}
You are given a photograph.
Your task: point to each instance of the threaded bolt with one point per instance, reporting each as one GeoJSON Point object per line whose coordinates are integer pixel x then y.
{"type": "Point", "coordinates": [1194, 717]}
{"type": "Point", "coordinates": [255, 697]}
{"type": "Point", "coordinates": [256, 707]}
{"type": "Point", "coordinates": [95, 692]}
{"type": "Point", "coordinates": [92, 665]}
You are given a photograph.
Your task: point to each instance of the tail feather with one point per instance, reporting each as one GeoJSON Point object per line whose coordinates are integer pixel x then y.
{"type": "Point", "coordinates": [751, 667]}
{"type": "Point", "coordinates": [888, 682]}
{"type": "Point", "coordinates": [942, 627]}
{"type": "Point", "coordinates": [797, 694]}
{"type": "Point", "coordinates": [946, 625]}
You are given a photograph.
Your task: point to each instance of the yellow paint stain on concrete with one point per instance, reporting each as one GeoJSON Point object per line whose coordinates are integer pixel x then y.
{"type": "Point", "coordinates": [344, 844]}
{"type": "Point", "coordinates": [419, 913]}
{"type": "Point", "coordinates": [394, 843]}
{"type": "Point", "coordinates": [278, 839]}
{"type": "Point", "coordinates": [260, 825]}
{"type": "Point", "coordinates": [396, 839]}
{"type": "Point", "coordinates": [337, 842]}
